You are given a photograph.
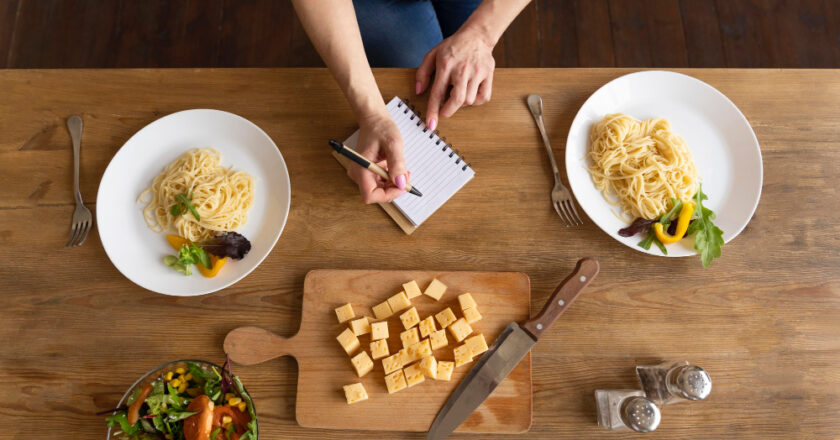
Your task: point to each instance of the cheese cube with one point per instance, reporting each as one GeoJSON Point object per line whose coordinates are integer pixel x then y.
{"type": "Point", "coordinates": [435, 289]}
{"type": "Point", "coordinates": [395, 381]}
{"type": "Point", "coordinates": [360, 326]}
{"type": "Point", "coordinates": [379, 349]}
{"type": "Point", "coordinates": [348, 341]}
{"type": "Point", "coordinates": [476, 344]}
{"type": "Point", "coordinates": [438, 339]}
{"type": "Point", "coordinates": [344, 313]}
{"type": "Point", "coordinates": [466, 300]}
{"type": "Point", "coordinates": [445, 317]}
{"type": "Point", "coordinates": [409, 337]}
{"type": "Point", "coordinates": [399, 302]}
{"type": "Point", "coordinates": [413, 375]}
{"type": "Point", "coordinates": [462, 355]}
{"type": "Point", "coordinates": [392, 363]}
{"type": "Point", "coordinates": [427, 326]}
{"type": "Point", "coordinates": [379, 330]}
{"type": "Point", "coordinates": [382, 310]}
{"type": "Point", "coordinates": [410, 318]}
{"type": "Point", "coordinates": [362, 363]}
{"type": "Point", "coordinates": [460, 329]}
{"type": "Point", "coordinates": [355, 392]}
{"type": "Point", "coordinates": [411, 289]}
{"type": "Point", "coordinates": [405, 358]}
{"type": "Point", "coordinates": [472, 315]}
{"type": "Point", "coordinates": [429, 366]}
{"type": "Point", "coordinates": [444, 370]}
{"type": "Point", "coordinates": [418, 351]}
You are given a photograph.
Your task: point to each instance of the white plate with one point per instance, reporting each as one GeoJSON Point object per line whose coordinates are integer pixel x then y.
{"type": "Point", "coordinates": [721, 140]}
{"type": "Point", "coordinates": [137, 251]}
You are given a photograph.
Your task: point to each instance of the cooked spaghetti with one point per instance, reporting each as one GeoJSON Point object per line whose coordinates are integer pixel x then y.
{"type": "Point", "coordinates": [641, 163]}
{"type": "Point", "coordinates": [221, 196]}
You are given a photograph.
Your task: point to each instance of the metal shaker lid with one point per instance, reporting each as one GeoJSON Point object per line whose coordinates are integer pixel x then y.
{"type": "Point", "coordinates": [640, 414]}
{"type": "Point", "coordinates": [693, 383]}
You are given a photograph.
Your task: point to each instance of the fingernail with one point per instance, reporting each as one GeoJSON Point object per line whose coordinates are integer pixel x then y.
{"type": "Point", "coordinates": [417, 88]}
{"type": "Point", "coordinates": [400, 180]}
{"type": "Point", "coordinates": [432, 123]}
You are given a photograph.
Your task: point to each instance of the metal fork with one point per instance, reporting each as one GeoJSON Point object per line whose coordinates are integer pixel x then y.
{"type": "Point", "coordinates": [561, 198]}
{"type": "Point", "coordinates": [82, 218]}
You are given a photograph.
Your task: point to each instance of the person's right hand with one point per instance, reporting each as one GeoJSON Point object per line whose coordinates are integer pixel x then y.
{"type": "Point", "coordinates": [380, 142]}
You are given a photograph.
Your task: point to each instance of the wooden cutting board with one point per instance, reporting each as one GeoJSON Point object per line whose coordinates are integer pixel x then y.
{"type": "Point", "coordinates": [324, 368]}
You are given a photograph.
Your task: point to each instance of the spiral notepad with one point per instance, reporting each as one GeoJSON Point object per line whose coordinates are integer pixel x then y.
{"type": "Point", "coordinates": [436, 168]}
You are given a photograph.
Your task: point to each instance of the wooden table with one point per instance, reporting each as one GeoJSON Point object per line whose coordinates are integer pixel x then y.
{"type": "Point", "coordinates": [764, 320]}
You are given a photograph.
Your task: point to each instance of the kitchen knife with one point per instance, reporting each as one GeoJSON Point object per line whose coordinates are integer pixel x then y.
{"type": "Point", "coordinates": [507, 351]}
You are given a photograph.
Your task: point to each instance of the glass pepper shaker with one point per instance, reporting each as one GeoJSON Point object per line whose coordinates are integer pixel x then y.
{"type": "Point", "coordinates": [673, 382]}
{"type": "Point", "coordinates": [623, 409]}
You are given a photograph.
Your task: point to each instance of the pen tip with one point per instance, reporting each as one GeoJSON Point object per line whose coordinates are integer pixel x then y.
{"type": "Point", "coordinates": [416, 192]}
{"type": "Point", "coordinates": [335, 144]}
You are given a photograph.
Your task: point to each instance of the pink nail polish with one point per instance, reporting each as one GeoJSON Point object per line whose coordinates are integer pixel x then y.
{"type": "Point", "coordinates": [417, 88]}
{"type": "Point", "coordinates": [432, 124]}
{"type": "Point", "coordinates": [400, 180]}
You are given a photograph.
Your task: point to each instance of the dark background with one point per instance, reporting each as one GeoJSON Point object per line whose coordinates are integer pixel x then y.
{"type": "Point", "coordinates": [560, 33]}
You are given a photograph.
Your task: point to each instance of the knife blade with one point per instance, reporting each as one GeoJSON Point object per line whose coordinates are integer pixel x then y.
{"type": "Point", "coordinates": [507, 351]}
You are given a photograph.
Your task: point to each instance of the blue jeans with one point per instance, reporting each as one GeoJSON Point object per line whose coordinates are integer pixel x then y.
{"type": "Point", "coordinates": [399, 33]}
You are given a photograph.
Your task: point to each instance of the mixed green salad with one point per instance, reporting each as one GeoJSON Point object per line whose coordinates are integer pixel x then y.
{"type": "Point", "coordinates": [190, 402]}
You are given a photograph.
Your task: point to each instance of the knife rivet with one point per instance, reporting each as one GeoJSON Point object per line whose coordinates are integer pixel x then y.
{"type": "Point", "coordinates": [561, 302]}
{"type": "Point", "coordinates": [539, 326]}
{"type": "Point", "coordinates": [583, 278]}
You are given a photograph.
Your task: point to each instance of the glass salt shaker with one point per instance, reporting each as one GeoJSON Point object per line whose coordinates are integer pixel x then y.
{"type": "Point", "coordinates": [623, 409]}
{"type": "Point", "coordinates": [673, 382]}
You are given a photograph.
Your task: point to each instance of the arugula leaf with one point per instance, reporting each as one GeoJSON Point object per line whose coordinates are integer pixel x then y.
{"type": "Point", "coordinates": [215, 433]}
{"type": "Point", "coordinates": [665, 219]}
{"type": "Point", "coordinates": [708, 238]}
{"type": "Point", "coordinates": [230, 431]}
{"type": "Point", "coordinates": [651, 239]}
{"type": "Point", "coordinates": [182, 205]}
{"type": "Point", "coordinates": [198, 372]}
{"type": "Point", "coordinates": [121, 419]}
{"type": "Point", "coordinates": [251, 433]}
{"type": "Point", "coordinates": [174, 416]}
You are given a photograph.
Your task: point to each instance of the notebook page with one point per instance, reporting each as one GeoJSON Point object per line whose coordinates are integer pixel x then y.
{"type": "Point", "coordinates": [435, 169]}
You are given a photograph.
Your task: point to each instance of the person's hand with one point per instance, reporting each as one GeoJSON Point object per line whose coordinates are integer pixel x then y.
{"type": "Point", "coordinates": [463, 61]}
{"type": "Point", "coordinates": [380, 142]}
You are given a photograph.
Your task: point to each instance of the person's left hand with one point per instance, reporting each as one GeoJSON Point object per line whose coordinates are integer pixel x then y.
{"type": "Point", "coordinates": [464, 61]}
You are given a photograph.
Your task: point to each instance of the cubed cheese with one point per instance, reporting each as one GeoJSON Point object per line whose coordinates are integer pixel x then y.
{"type": "Point", "coordinates": [460, 329]}
{"type": "Point", "coordinates": [399, 302]}
{"type": "Point", "coordinates": [360, 326]}
{"type": "Point", "coordinates": [379, 349]}
{"type": "Point", "coordinates": [429, 366]}
{"type": "Point", "coordinates": [382, 310]}
{"type": "Point", "coordinates": [438, 339]}
{"type": "Point", "coordinates": [362, 363]}
{"type": "Point", "coordinates": [444, 370]}
{"type": "Point", "coordinates": [345, 313]}
{"type": "Point", "coordinates": [472, 315]}
{"type": "Point", "coordinates": [348, 341]}
{"type": "Point", "coordinates": [355, 392]}
{"type": "Point", "coordinates": [395, 381]}
{"type": "Point", "coordinates": [413, 375]}
{"type": "Point", "coordinates": [411, 289]}
{"type": "Point", "coordinates": [462, 355]}
{"type": "Point", "coordinates": [476, 344]}
{"type": "Point", "coordinates": [410, 318]}
{"type": "Point", "coordinates": [405, 358]}
{"type": "Point", "coordinates": [418, 351]}
{"type": "Point", "coordinates": [379, 330]}
{"type": "Point", "coordinates": [409, 337]}
{"type": "Point", "coordinates": [466, 300]}
{"type": "Point", "coordinates": [435, 289]}
{"type": "Point", "coordinates": [427, 326]}
{"type": "Point", "coordinates": [392, 363]}
{"type": "Point", "coordinates": [445, 317]}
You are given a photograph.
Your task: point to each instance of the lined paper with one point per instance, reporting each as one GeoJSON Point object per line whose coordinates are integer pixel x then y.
{"type": "Point", "coordinates": [436, 170]}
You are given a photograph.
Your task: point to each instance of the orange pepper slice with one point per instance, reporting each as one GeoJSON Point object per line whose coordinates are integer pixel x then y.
{"type": "Point", "coordinates": [216, 263]}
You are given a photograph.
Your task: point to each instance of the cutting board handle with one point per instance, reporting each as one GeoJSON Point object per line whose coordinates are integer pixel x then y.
{"type": "Point", "coordinates": [563, 297]}
{"type": "Point", "coordinates": [253, 345]}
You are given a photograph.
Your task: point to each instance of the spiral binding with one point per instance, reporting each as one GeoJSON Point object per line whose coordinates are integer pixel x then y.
{"type": "Point", "coordinates": [417, 114]}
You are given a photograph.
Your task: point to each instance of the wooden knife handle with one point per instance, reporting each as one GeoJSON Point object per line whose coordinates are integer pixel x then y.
{"type": "Point", "coordinates": [253, 345]}
{"type": "Point", "coordinates": [563, 297]}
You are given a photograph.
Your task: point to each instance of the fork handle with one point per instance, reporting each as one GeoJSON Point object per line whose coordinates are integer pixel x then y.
{"type": "Point", "coordinates": [538, 118]}
{"type": "Point", "coordinates": [74, 126]}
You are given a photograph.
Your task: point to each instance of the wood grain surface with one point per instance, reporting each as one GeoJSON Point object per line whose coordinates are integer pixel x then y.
{"type": "Point", "coordinates": [763, 319]}
{"type": "Point", "coordinates": [324, 368]}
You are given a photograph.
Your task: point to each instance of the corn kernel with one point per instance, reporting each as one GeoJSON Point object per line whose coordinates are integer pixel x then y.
{"type": "Point", "coordinates": [229, 396]}
{"type": "Point", "coordinates": [168, 376]}
{"type": "Point", "coordinates": [175, 383]}
{"type": "Point", "coordinates": [182, 388]}
{"type": "Point", "coordinates": [235, 401]}
{"type": "Point", "coordinates": [242, 406]}
{"type": "Point", "coordinates": [188, 376]}
{"type": "Point", "coordinates": [226, 420]}
{"type": "Point", "coordinates": [180, 370]}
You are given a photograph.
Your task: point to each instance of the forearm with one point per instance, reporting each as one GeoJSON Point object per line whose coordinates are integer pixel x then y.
{"type": "Point", "coordinates": [492, 17]}
{"type": "Point", "coordinates": [332, 27]}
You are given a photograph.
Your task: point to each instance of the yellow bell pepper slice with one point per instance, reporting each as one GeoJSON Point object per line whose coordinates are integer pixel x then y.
{"type": "Point", "coordinates": [216, 263]}
{"type": "Point", "coordinates": [682, 225]}
{"type": "Point", "coordinates": [176, 241]}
